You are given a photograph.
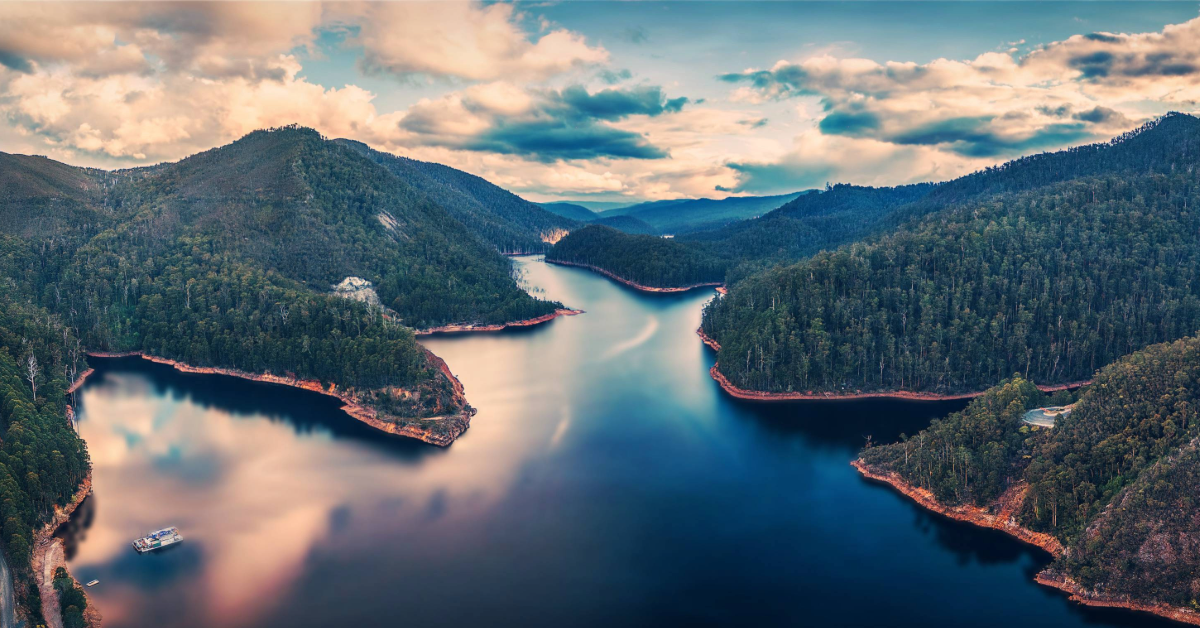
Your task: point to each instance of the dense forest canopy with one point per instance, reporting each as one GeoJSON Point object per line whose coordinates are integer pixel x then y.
{"type": "Point", "coordinates": [644, 259]}
{"type": "Point", "coordinates": [227, 259]}
{"type": "Point", "coordinates": [507, 221]}
{"type": "Point", "coordinates": [1051, 282]}
{"type": "Point", "coordinates": [1114, 480]}
{"type": "Point", "coordinates": [42, 460]}
{"type": "Point", "coordinates": [809, 223]}
{"type": "Point", "coordinates": [845, 213]}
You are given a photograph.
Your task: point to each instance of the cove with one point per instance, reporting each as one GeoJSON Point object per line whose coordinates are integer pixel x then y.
{"type": "Point", "coordinates": [606, 479]}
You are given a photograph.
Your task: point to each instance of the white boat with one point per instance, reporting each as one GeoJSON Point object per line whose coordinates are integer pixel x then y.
{"type": "Point", "coordinates": [157, 540]}
{"type": "Point", "coordinates": [93, 583]}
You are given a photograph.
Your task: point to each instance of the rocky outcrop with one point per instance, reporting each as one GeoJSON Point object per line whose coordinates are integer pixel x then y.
{"type": "Point", "coordinates": [633, 284]}
{"type": "Point", "coordinates": [450, 329]}
{"type": "Point", "coordinates": [357, 289]}
{"type": "Point", "coordinates": [450, 426]}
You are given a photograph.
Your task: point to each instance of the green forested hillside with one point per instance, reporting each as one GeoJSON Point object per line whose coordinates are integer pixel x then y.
{"type": "Point", "coordinates": [845, 213]}
{"type": "Point", "coordinates": [509, 222]}
{"type": "Point", "coordinates": [226, 259]}
{"type": "Point", "coordinates": [42, 461]}
{"type": "Point", "coordinates": [644, 259]}
{"type": "Point", "coordinates": [809, 223]}
{"type": "Point", "coordinates": [1051, 282]}
{"type": "Point", "coordinates": [1114, 480]}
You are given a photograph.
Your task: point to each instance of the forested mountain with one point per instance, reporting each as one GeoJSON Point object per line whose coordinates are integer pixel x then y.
{"type": "Point", "coordinates": [805, 225]}
{"type": "Point", "coordinates": [42, 461]}
{"type": "Point", "coordinates": [226, 259]}
{"type": "Point", "coordinates": [643, 259]}
{"type": "Point", "coordinates": [1114, 480]}
{"type": "Point", "coordinates": [1051, 282]}
{"type": "Point", "coordinates": [844, 213]}
{"type": "Point", "coordinates": [570, 210]}
{"type": "Point", "coordinates": [688, 215]}
{"type": "Point", "coordinates": [509, 222]}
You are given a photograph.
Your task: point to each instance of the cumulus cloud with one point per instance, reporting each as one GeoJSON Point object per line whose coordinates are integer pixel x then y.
{"type": "Point", "coordinates": [464, 40]}
{"type": "Point", "coordinates": [993, 106]}
{"type": "Point", "coordinates": [212, 40]}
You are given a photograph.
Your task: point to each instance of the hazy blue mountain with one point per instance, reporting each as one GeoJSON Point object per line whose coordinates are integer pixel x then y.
{"type": "Point", "coordinates": [687, 215]}
{"type": "Point", "coordinates": [573, 211]}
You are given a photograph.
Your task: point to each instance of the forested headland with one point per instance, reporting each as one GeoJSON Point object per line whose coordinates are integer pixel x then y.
{"type": "Point", "coordinates": [1113, 481]}
{"type": "Point", "coordinates": [227, 260]}
{"type": "Point", "coordinates": [1051, 282]}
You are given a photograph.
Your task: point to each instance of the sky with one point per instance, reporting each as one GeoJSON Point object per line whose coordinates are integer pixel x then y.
{"type": "Point", "coordinates": [606, 101]}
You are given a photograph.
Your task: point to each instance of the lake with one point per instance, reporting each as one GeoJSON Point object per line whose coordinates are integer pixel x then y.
{"type": "Point", "coordinates": [606, 480]}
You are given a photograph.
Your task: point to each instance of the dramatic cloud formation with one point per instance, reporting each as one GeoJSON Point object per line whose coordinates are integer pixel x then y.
{"type": "Point", "coordinates": [994, 106]}
{"type": "Point", "coordinates": [501, 91]}
{"type": "Point", "coordinates": [548, 126]}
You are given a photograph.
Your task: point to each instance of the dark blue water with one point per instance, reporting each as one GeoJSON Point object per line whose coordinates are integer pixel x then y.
{"type": "Point", "coordinates": [605, 481]}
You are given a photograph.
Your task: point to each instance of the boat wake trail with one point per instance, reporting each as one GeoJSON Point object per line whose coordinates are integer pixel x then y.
{"type": "Point", "coordinates": [621, 347]}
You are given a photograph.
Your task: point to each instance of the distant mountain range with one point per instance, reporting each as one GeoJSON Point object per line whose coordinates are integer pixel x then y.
{"type": "Point", "coordinates": [687, 215]}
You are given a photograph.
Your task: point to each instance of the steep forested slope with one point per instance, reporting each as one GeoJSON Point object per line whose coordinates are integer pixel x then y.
{"type": "Point", "coordinates": [509, 222]}
{"type": "Point", "coordinates": [1114, 480]}
{"type": "Point", "coordinates": [1051, 282]}
{"type": "Point", "coordinates": [42, 461]}
{"type": "Point", "coordinates": [226, 260]}
{"type": "Point", "coordinates": [846, 213]}
{"type": "Point", "coordinates": [811, 222]}
{"type": "Point", "coordinates": [642, 259]}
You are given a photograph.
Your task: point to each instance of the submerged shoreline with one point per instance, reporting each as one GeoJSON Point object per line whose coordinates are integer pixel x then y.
{"type": "Point", "coordinates": [529, 322]}
{"type": "Point", "coordinates": [1004, 521]}
{"type": "Point", "coordinates": [353, 405]}
{"type": "Point", "coordinates": [758, 395]}
{"type": "Point", "coordinates": [633, 284]}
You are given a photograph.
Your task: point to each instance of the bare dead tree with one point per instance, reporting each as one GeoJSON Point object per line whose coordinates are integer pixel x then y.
{"type": "Point", "coordinates": [31, 373]}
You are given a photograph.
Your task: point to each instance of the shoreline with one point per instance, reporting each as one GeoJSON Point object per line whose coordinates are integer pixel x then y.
{"type": "Point", "coordinates": [1003, 521]}
{"type": "Point", "coordinates": [758, 395]}
{"type": "Point", "coordinates": [352, 405]}
{"type": "Point", "coordinates": [529, 322]}
{"type": "Point", "coordinates": [1079, 595]}
{"type": "Point", "coordinates": [712, 344]}
{"type": "Point", "coordinates": [635, 285]}
{"type": "Point", "coordinates": [48, 555]}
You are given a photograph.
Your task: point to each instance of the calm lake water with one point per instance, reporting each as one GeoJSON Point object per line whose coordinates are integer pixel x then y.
{"type": "Point", "coordinates": [605, 481]}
